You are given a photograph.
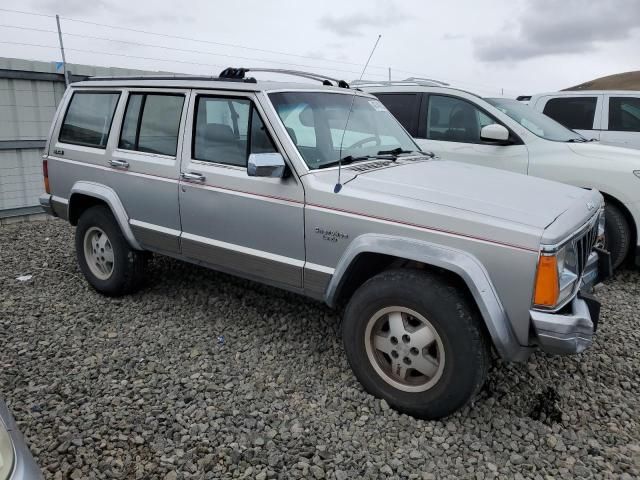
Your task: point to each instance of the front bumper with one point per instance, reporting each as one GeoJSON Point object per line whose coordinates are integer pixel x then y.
{"type": "Point", "coordinates": [567, 333]}
{"type": "Point", "coordinates": [24, 466]}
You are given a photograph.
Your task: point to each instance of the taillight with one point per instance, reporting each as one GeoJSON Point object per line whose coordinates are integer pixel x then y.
{"type": "Point", "coordinates": [45, 174]}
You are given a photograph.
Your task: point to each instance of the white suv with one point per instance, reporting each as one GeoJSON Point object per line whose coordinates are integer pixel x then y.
{"type": "Point", "coordinates": [508, 134]}
{"type": "Point", "coordinates": [610, 116]}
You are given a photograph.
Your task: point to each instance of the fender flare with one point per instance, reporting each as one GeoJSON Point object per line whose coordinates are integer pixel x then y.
{"type": "Point", "coordinates": [462, 263]}
{"type": "Point", "coordinates": [110, 197]}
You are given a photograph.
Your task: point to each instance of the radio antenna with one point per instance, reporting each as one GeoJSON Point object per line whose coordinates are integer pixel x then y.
{"type": "Point", "coordinates": [338, 186]}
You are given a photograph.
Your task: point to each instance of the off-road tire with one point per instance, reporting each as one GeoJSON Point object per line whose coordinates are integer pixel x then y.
{"type": "Point", "coordinates": [617, 234]}
{"type": "Point", "coordinates": [467, 352]}
{"type": "Point", "coordinates": [129, 264]}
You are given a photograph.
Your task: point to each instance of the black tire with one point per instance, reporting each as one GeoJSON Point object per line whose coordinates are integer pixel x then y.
{"type": "Point", "coordinates": [127, 274]}
{"type": "Point", "coordinates": [466, 347]}
{"type": "Point", "coordinates": [617, 234]}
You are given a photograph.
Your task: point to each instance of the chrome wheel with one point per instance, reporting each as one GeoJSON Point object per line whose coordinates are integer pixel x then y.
{"type": "Point", "coordinates": [98, 253]}
{"type": "Point", "coordinates": [404, 349]}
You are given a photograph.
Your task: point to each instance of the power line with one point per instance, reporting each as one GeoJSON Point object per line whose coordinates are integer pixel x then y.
{"type": "Point", "coordinates": [151, 45]}
{"type": "Point", "coordinates": [164, 35]}
{"type": "Point", "coordinates": [178, 37]}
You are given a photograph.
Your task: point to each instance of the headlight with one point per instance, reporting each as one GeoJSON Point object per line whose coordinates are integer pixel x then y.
{"type": "Point", "coordinates": [557, 276]}
{"type": "Point", "coordinates": [6, 453]}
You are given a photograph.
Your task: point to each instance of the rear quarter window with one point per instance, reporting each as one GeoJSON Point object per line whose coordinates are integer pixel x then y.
{"type": "Point", "coordinates": [88, 118]}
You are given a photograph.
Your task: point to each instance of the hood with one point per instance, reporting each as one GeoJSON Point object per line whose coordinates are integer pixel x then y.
{"type": "Point", "coordinates": [599, 150]}
{"type": "Point", "coordinates": [486, 191]}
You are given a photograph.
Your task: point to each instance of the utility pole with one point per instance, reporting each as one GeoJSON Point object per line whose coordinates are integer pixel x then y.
{"type": "Point", "coordinates": [389, 73]}
{"type": "Point", "coordinates": [64, 60]}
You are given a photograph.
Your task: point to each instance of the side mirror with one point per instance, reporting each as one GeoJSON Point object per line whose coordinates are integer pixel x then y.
{"type": "Point", "coordinates": [266, 165]}
{"type": "Point", "coordinates": [494, 133]}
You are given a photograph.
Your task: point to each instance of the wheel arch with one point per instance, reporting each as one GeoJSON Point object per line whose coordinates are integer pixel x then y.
{"type": "Point", "coordinates": [370, 254]}
{"type": "Point", "coordinates": [87, 194]}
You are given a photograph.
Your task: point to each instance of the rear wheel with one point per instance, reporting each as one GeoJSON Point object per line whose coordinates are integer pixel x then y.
{"type": "Point", "coordinates": [617, 234]}
{"type": "Point", "coordinates": [412, 339]}
{"type": "Point", "coordinates": [105, 257]}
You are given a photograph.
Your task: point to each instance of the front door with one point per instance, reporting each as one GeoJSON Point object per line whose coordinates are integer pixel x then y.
{"type": "Point", "coordinates": [247, 226]}
{"type": "Point", "coordinates": [452, 131]}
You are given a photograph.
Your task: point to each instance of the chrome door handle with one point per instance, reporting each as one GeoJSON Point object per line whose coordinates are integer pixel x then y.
{"type": "Point", "coordinates": [192, 177]}
{"type": "Point", "coordinates": [119, 163]}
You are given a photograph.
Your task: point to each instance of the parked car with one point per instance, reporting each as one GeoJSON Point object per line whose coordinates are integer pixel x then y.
{"type": "Point", "coordinates": [320, 191]}
{"type": "Point", "coordinates": [16, 461]}
{"type": "Point", "coordinates": [507, 134]}
{"type": "Point", "coordinates": [611, 116]}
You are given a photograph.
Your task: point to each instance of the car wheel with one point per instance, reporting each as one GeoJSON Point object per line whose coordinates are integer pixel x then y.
{"type": "Point", "coordinates": [414, 340]}
{"type": "Point", "coordinates": [105, 257]}
{"type": "Point", "coordinates": [616, 234]}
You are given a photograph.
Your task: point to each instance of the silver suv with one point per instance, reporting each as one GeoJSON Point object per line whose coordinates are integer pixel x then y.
{"type": "Point", "coordinates": [320, 191]}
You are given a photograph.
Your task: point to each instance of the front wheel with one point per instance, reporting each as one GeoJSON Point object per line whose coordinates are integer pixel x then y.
{"type": "Point", "coordinates": [617, 234]}
{"type": "Point", "coordinates": [412, 339]}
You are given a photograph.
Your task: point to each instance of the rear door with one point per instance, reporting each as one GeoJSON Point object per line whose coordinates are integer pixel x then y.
{"type": "Point", "coordinates": [145, 158]}
{"type": "Point", "coordinates": [452, 131]}
{"type": "Point", "coordinates": [621, 120]}
{"type": "Point", "coordinates": [581, 113]}
{"type": "Point", "coordinates": [248, 226]}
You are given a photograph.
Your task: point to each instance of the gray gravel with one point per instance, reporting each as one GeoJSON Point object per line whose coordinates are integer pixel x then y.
{"type": "Point", "coordinates": [202, 375]}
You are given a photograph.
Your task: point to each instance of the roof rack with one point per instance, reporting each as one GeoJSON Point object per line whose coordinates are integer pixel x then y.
{"type": "Point", "coordinates": [170, 77]}
{"type": "Point", "coordinates": [411, 81]}
{"type": "Point", "coordinates": [239, 73]}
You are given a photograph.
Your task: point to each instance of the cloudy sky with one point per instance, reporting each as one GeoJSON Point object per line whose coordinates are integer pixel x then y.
{"type": "Point", "coordinates": [519, 47]}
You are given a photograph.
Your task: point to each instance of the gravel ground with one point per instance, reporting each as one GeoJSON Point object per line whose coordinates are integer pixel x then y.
{"type": "Point", "coordinates": [202, 375]}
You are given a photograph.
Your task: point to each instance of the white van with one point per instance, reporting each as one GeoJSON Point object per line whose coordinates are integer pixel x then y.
{"type": "Point", "coordinates": [611, 116]}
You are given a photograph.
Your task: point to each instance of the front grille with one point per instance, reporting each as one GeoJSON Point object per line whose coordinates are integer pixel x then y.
{"type": "Point", "coordinates": [585, 244]}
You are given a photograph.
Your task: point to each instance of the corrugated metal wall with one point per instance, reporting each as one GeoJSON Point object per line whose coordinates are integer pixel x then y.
{"type": "Point", "coordinates": [29, 95]}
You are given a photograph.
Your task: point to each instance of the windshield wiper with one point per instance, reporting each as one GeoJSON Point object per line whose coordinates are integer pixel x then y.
{"type": "Point", "coordinates": [347, 160]}
{"type": "Point", "coordinates": [395, 152]}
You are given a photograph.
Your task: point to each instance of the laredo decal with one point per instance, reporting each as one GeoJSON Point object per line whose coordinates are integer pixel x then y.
{"type": "Point", "coordinates": [331, 235]}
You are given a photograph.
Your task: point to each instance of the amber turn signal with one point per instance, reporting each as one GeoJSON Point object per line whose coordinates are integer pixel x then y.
{"type": "Point", "coordinates": [547, 284]}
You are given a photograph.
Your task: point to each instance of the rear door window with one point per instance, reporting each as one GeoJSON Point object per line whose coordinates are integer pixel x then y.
{"type": "Point", "coordinates": [624, 114]}
{"type": "Point", "coordinates": [151, 123]}
{"type": "Point", "coordinates": [405, 107]}
{"type": "Point", "coordinates": [88, 119]}
{"type": "Point", "coordinates": [576, 113]}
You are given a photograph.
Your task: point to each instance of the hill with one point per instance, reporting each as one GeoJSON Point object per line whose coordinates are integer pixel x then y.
{"type": "Point", "coordinates": [619, 81]}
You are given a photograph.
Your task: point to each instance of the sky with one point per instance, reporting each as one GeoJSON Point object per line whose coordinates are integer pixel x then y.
{"type": "Point", "coordinates": [493, 47]}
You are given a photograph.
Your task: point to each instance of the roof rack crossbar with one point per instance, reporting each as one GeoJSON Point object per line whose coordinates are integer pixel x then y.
{"type": "Point", "coordinates": [240, 72]}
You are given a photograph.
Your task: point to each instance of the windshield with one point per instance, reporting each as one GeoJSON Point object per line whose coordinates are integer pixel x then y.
{"type": "Point", "coordinates": [316, 121]}
{"type": "Point", "coordinates": [534, 121]}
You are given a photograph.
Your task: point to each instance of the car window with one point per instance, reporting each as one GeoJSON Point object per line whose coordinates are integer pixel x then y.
{"type": "Point", "coordinates": [452, 119]}
{"type": "Point", "coordinates": [227, 130]}
{"type": "Point", "coordinates": [151, 123]}
{"type": "Point", "coordinates": [624, 114]}
{"type": "Point", "coordinates": [576, 113]}
{"type": "Point", "coordinates": [405, 107]}
{"type": "Point", "coordinates": [88, 119]}
{"type": "Point", "coordinates": [534, 121]}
